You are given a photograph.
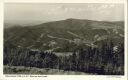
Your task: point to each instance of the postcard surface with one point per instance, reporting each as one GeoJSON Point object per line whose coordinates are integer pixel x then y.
{"type": "Point", "coordinates": [65, 40]}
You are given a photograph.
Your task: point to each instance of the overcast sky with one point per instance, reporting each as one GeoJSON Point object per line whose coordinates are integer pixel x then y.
{"type": "Point", "coordinates": [29, 12]}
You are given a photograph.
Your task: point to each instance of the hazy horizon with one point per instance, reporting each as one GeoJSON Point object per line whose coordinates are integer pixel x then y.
{"type": "Point", "coordinates": [35, 13]}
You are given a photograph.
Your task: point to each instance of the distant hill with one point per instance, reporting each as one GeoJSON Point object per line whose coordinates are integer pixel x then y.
{"type": "Point", "coordinates": [8, 25]}
{"type": "Point", "coordinates": [64, 35]}
{"type": "Point", "coordinates": [11, 23]}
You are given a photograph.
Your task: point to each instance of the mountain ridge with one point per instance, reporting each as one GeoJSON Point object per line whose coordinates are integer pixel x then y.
{"type": "Point", "coordinates": [63, 34]}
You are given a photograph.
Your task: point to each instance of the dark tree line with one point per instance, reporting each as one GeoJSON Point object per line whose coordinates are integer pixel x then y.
{"type": "Point", "coordinates": [102, 60]}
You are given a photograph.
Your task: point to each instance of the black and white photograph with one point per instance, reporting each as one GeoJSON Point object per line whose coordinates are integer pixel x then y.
{"type": "Point", "coordinates": [64, 39]}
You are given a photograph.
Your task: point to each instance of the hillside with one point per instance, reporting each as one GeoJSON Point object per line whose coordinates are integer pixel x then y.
{"type": "Point", "coordinates": [64, 35]}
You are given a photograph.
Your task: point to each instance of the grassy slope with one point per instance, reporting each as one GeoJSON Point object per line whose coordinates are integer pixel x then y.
{"type": "Point", "coordinates": [34, 70]}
